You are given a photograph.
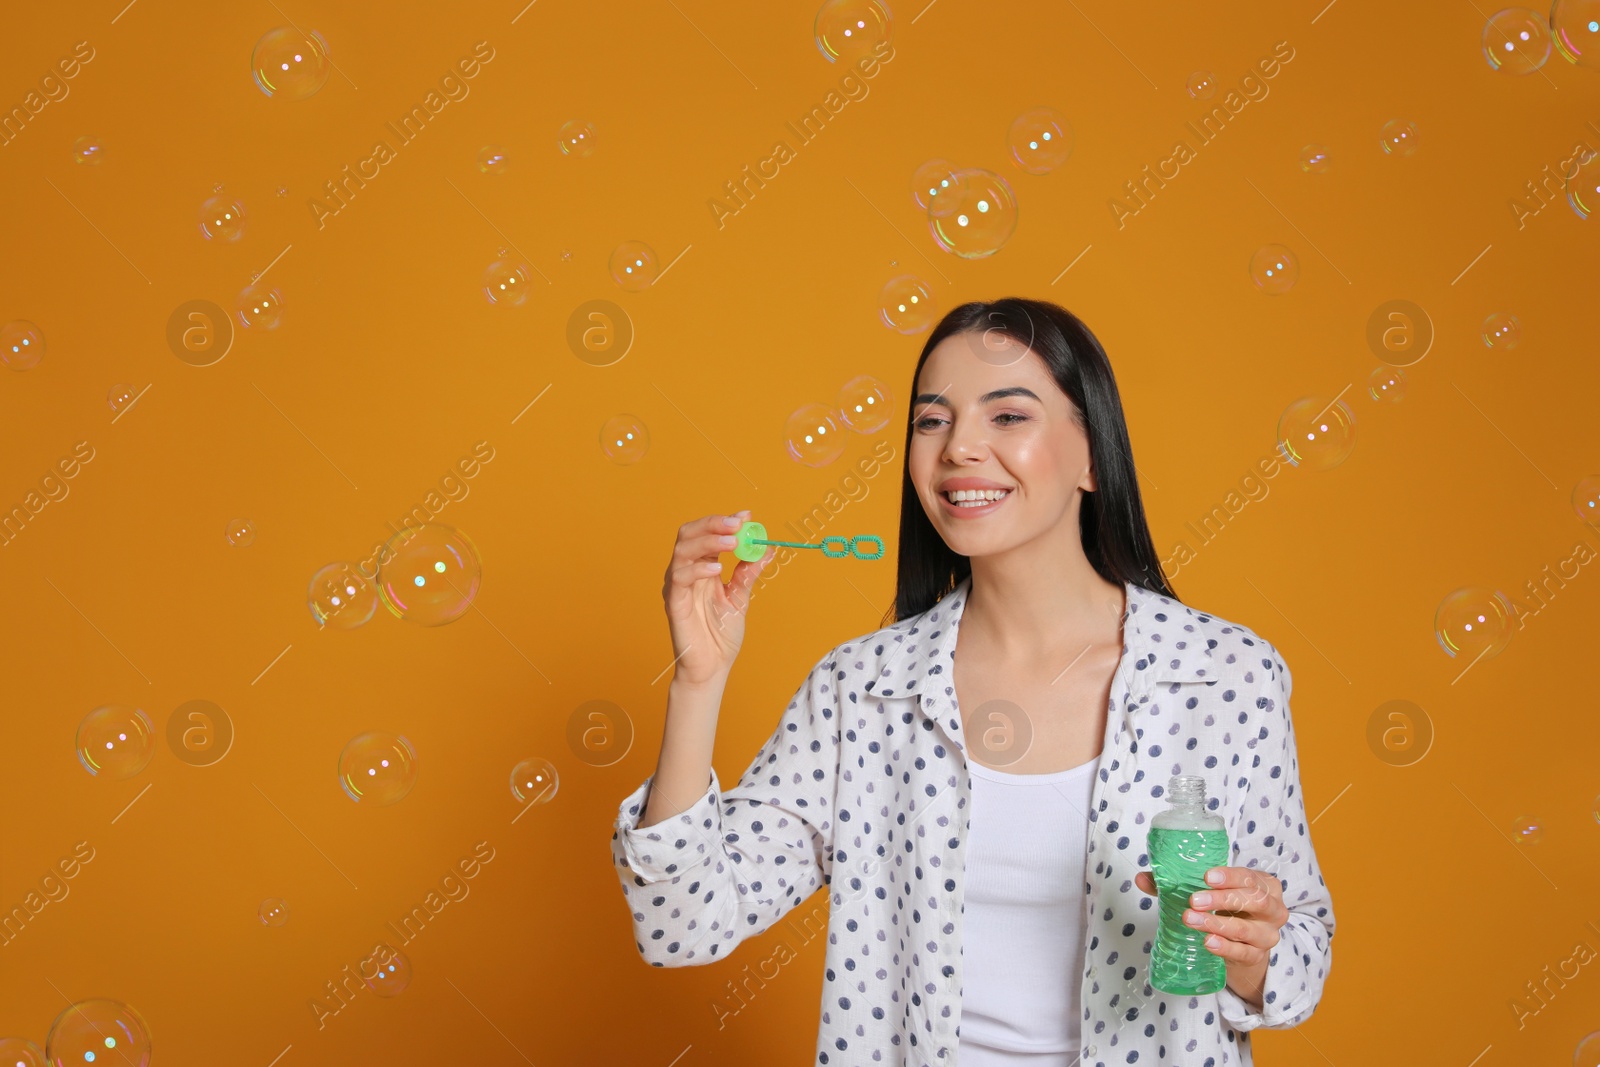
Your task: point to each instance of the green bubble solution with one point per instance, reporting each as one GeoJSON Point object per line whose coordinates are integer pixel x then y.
{"type": "Point", "coordinates": [1185, 841]}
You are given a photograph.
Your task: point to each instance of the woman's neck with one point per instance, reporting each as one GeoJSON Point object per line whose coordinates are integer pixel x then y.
{"type": "Point", "coordinates": [1024, 609]}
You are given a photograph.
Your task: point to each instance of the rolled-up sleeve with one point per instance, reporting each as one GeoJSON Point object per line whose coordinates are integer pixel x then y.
{"type": "Point", "coordinates": [733, 864]}
{"type": "Point", "coordinates": [1273, 836]}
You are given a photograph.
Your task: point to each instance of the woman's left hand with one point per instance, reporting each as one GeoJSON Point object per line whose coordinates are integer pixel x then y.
{"type": "Point", "coordinates": [1242, 914]}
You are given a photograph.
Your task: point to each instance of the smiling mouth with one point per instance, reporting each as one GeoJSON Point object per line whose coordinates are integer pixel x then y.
{"type": "Point", "coordinates": [975, 499]}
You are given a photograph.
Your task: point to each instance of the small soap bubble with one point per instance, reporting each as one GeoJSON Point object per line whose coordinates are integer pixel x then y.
{"type": "Point", "coordinates": [849, 29]}
{"type": "Point", "coordinates": [273, 912]}
{"type": "Point", "coordinates": [389, 974]}
{"type": "Point", "coordinates": [118, 397]}
{"type": "Point", "coordinates": [936, 186]}
{"type": "Point", "coordinates": [1502, 330]}
{"type": "Point", "coordinates": [1527, 830]}
{"type": "Point", "coordinates": [576, 139]}
{"type": "Point", "coordinates": [624, 439]}
{"type": "Point", "coordinates": [1398, 137]}
{"type": "Point", "coordinates": [1274, 269]}
{"type": "Point", "coordinates": [566, 255]}
{"type": "Point", "coordinates": [259, 307]}
{"type": "Point", "coordinates": [634, 265]}
{"type": "Point", "coordinates": [906, 304]}
{"type": "Point", "coordinates": [1314, 159]}
{"type": "Point", "coordinates": [1316, 433]}
{"type": "Point", "coordinates": [1473, 622]}
{"type": "Point", "coordinates": [240, 533]}
{"type": "Point", "coordinates": [1576, 24]}
{"type": "Point", "coordinates": [432, 574]}
{"type": "Point", "coordinates": [491, 160]}
{"type": "Point", "coordinates": [1202, 86]}
{"type": "Point", "coordinates": [864, 404]}
{"type": "Point", "coordinates": [378, 768]}
{"type": "Point", "coordinates": [222, 219]}
{"type": "Point", "coordinates": [1387, 384]}
{"type": "Point", "coordinates": [812, 436]}
{"type": "Point", "coordinates": [102, 1032]}
{"type": "Point", "coordinates": [1040, 140]}
{"type": "Point", "coordinates": [283, 190]}
{"type": "Point", "coordinates": [1587, 1054]}
{"type": "Point", "coordinates": [1583, 188]}
{"type": "Point", "coordinates": [1586, 500]}
{"type": "Point", "coordinates": [116, 741]}
{"type": "Point", "coordinates": [89, 152]}
{"type": "Point", "coordinates": [21, 344]}
{"type": "Point", "coordinates": [984, 218]}
{"type": "Point", "coordinates": [1516, 41]}
{"type": "Point", "coordinates": [340, 597]}
{"type": "Point", "coordinates": [535, 781]}
{"type": "Point", "coordinates": [290, 65]}
{"type": "Point", "coordinates": [20, 1052]}
{"type": "Point", "coordinates": [505, 282]}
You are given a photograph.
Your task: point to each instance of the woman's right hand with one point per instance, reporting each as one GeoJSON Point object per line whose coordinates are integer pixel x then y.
{"type": "Point", "coordinates": [707, 617]}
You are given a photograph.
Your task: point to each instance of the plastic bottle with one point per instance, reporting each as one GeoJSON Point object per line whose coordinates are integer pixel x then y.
{"type": "Point", "coordinates": [1184, 842]}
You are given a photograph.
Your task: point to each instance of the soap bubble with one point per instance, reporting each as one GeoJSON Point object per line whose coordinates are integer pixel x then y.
{"type": "Point", "coordinates": [1527, 830]}
{"type": "Point", "coordinates": [89, 152]}
{"type": "Point", "coordinates": [1398, 137]}
{"type": "Point", "coordinates": [20, 1052]}
{"type": "Point", "coordinates": [634, 265]}
{"type": "Point", "coordinates": [1473, 622]}
{"type": "Point", "coordinates": [1314, 159]}
{"type": "Point", "coordinates": [624, 439]}
{"type": "Point", "coordinates": [936, 186]}
{"type": "Point", "coordinates": [1577, 31]}
{"type": "Point", "coordinates": [340, 597]}
{"type": "Point", "coordinates": [378, 768]}
{"type": "Point", "coordinates": [1387, 383]}
{"type": "Point", "coordinates": [984, 218]}
{"type": "Point", "coordinates": [259, 307]}
{"type": "Point", "coordinates": [505, 283]}
{"type": "Point", "coordinates": [1516, 41]}
{"type": "Point", "coordinates": [576, 139]}
{"type": "Point", "coordinates": [491, 160]}
{"type": "Point", "coordinates": [1274, 269]}
{"type": "Point", "coordinates": [432, 574]}
{"type": "Point", "coordinates": [1502, 330]}
{"type": "Point", "coordinates": [118, 397]}
{"type": "Point", "coordinates": [1317, 433]}
{"type": "Point", "coordinates": [116, 741]}
{"type": "Point", "coordinates": [21, 344]}
{"type": "Point", "coordinates": [906, 304]}
{"type": "Point", "coordinates": [290, 65]}
{"type": "Point", "coordinates": [240, 533]}
{"type": "Point", "coordinates": [534, 781]}
{"type": "Point", "coordinates": [850, 29]}
{"type": "Point", "coordinates": [1587, 1054]}
{"type": "Point", "coordinates": [1202, 86]}
{"type": "Point", "coordinates": [1583, 188]}
{"type": "Point", "coordinates": [1040, 140]}
{"type": "Point", "coordinates": [864, 404]}
{"type": "Point", "coordinates": [222, 219]}
{"type": "Point", "coordinates": [812, 437]}
{"type": "Point", "coordinates": [391, 973]}
{"type": "Point", "coordinates": [273, 912]}
{"type": "Point", "coordinates": [1586, 500]}
{"type": "Point", "coordinates": [94, 1029]}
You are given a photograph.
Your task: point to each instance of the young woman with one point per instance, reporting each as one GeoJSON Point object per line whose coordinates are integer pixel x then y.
{"type": "Point", "coordinates": [974, 782]}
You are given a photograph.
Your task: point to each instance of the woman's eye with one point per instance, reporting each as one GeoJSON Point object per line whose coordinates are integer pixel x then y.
{"type": "Point", "coordinates": [926, 421]}
{"type": "Point", "coordinates": [1011, 415]}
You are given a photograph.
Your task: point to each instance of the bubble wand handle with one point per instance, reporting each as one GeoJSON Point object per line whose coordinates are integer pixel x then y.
{"type": "Point", "coordinates": [752, 539]}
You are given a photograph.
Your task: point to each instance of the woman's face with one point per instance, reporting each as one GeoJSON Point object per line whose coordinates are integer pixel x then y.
{"type": "Point", "coordinates": [987, 414]}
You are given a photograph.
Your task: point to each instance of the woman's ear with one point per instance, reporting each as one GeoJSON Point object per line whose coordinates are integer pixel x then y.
{"type": "Point", "coordinates": [1089, 483]}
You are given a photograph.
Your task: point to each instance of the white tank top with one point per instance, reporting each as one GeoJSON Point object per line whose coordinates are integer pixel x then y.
{"type": "Point", "coordinates": [1022, 919]}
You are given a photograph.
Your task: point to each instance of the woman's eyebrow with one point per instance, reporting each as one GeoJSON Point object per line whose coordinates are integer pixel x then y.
{"type": "Point", "coordinates": [998, 394]}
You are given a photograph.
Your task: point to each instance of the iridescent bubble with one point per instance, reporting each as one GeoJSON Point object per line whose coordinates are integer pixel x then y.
{"type": "Point", "coordinates": [108, 1032]}
{"type": "Point", "coordinates": [1202, 86]}
{"type": "Point", "coordinates": [391, 973]}
{"type": "Point", "coordinates": [273, 912]}
{"type": "Point", "coordinates": [116, 741]}
{"type": "Point", "coordinates": [984, 218]}
{"type": "Point", "coordinates": [849, 29]}
{"type": "Point", "coordinates": [1473, 622]}
{"type": "Point", "coordinates": [505, 283]}
{"type": "Point", "coordinates": [906, 304]}
{"type": "Point", "coordinates": [624, 439]}
{"type": "Point", "coordinates": [1527, 830]}
{"type": "Point", "coordinates": [340, 597]}
{"type": "Point", "coordinates": [21, 344]}
{"type": "Point", "coordinates": [936, 187]}
{"type": "Point", "coordinates": [1316, 433]}
{"type": "Point", "coordinates": [1587, 1054]}
{"type": "Point", "coordinates": [222, 219]}
{"type": "Point", "coordinates": [240, 533]}
{"type": "Point", "coordinates": [864, 404]}
{"type": "Point", "coordinates": [89, 152]}
{"type": "Point", "coordinates": [1314, 159]}
{"type": "Point", "coordinates": [1516, 41]}
{"type": "Point", "coordinates": [118, 397]}
{"type": "Point", "coordinates": [1586, 500]}
{"type": "Point", "coordinates": [1502, 330]}
{"type": "Point", "coordinates": [1583, 188]}
{"type": "Point", "coordinates": [1274, 269]}
{"type": "Point", "coordinates": [812, 436]}
{"type": "Point", "coordinates": [259, 307]}
{"type": "Point", "coordinates": [1387, 383]}
{"type": "Point", "coordinates": [576, 139]}
{"type": "Point", "coordinates": [431, 576]}
{"type": "Point", "coordinates": [535, 781]}
{"type": "Point", "coordinates": [378, 768]}
{"type": "Point", "coordinates": [634, 265]}
{"type": "Point", "coordinates": [290, 65]}
{"type": "Point", "coordinates": [20, 1052]}
{"type": "Point", "coordinates": [1398, 137]}
{"type": "Point", "coordinates": [1576, 24]}
{"type": "Point", "coordinates": [491, 160]}
{"type": "Point", "coordinates": [1040, 140]}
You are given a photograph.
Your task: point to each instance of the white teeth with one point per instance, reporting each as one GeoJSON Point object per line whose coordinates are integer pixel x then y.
{"type": "Point", "coordinates": [975, 498]}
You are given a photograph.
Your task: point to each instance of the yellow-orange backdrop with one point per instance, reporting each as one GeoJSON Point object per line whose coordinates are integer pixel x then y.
{"type": "Point", "coordinates": [391, 364]}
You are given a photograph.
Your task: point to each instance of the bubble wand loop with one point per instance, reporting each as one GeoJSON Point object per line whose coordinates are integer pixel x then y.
{"type": "Point", "coordinates": [751, 542]}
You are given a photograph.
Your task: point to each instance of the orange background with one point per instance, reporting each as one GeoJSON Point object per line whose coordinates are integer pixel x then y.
{"type": "Point", "coordinates": [390, 359]}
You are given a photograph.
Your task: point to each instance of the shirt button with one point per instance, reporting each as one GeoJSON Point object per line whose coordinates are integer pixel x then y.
{"type": "Point", "coordinates": [1090, 1051]}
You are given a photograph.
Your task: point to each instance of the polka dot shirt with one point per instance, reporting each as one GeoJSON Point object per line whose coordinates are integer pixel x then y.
{"type": "Point", "coordinates": [863, 789]}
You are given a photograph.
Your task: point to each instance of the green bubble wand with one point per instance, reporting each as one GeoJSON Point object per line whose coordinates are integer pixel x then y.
{"type": "Point", "coordinates": [751, 541]}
